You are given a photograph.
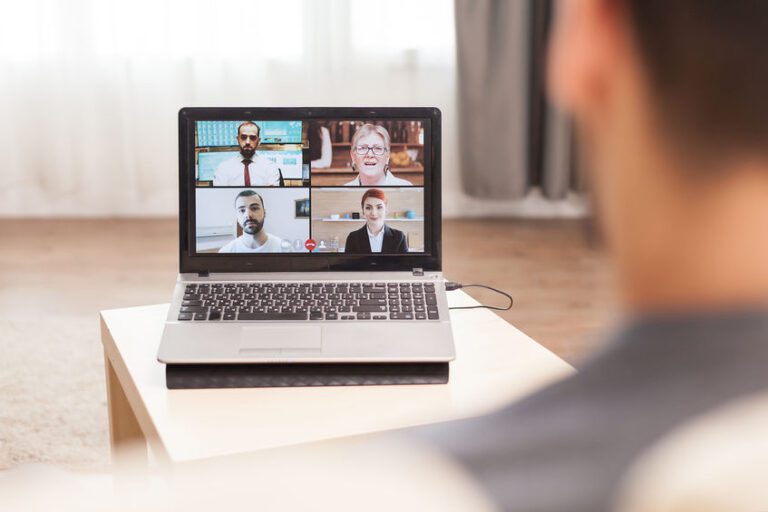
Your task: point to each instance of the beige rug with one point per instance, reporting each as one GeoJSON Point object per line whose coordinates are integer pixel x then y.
{"type": "Point", "coordinates": [53, 406]}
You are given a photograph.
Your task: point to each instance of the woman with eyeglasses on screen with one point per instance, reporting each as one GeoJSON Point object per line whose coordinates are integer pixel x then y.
{"type": "Point", "coordinates": [370, 158]}
{"type": "Point", "coordinates": [375, 235]}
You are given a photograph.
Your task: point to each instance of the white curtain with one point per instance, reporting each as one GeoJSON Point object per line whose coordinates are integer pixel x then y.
{"type": "Point", "coordinates": [89, 89]}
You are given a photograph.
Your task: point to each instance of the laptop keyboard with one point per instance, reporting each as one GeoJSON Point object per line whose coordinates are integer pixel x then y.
{"type": "Point", "coordinates": [215, 302]}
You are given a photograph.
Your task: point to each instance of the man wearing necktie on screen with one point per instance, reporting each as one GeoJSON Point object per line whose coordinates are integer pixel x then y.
{"type": "Point", "coordinates": [247, 169]}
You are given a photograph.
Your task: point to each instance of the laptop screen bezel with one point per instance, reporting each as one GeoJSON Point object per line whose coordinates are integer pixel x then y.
{"type": "Point", "coordinates": [192, 262]}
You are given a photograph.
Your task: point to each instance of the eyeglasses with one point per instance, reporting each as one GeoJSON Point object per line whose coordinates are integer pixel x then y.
{"type": "Point", "coordinates": [376, 150]}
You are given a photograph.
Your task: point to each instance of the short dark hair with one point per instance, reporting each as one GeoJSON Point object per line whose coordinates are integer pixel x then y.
{"type": "Point", "coordinates": [249, 193]}
{"type": "Point", "coordinates": [708, 71]}
{"type": "Point", "coordinates": [246, 123]}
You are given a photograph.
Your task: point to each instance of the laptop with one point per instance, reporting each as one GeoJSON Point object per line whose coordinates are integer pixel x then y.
{"type": "Point", "coordinates": [309, 235]}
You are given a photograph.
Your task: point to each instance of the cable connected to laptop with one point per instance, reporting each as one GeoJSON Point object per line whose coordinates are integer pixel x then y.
{"type": "Point", "coordinates": [451, 285]}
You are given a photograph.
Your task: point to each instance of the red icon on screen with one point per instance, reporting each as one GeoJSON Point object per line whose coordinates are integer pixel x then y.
{"type": "Point", "coordinates": [310, 245]}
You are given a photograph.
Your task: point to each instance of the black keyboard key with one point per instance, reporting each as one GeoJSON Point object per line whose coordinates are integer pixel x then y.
{"type": "Point", "coordinates": [228, 316]}
{"type": "Point", "coordinates": [363, 316]}
{"type": "Point", "coordinates": [370, 309]}
{"type": "Point", "coordinates": [433, 316]}
{"type": "Point", "coordinates": [271, 316]}
{"type": "Point", "coordinates": [431, 299]}
{"type": "Point", "coordinates": [379, 317]}
{"type": "Point", "coordinates": [373, 302]}
{"type": "Point", "coordinates": [421, 316]}
{"type": "Point", "coordinates": [214, 315]}
{"type": "Point", "coordinates": [315, 316]}
{"type": "Point", "coordinates": [331, 316]}
{"type": "Point", "coordinates": [401, 316]}
{"type": "Point", "coordinates": [192, 309]}
{"type": "Point", "coordinates": [200, 316]}
{"type": "Point", "coordinates": [185, 316]}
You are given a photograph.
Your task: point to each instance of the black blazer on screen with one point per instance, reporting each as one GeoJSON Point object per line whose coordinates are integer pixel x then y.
{"type": "Point", "coordinates": [358, 243]}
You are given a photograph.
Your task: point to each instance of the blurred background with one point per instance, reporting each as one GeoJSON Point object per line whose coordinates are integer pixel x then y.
{"type": "Point", "coordinates": [91, 88]}
{"type": "Point", "coordinates": [89, 95]}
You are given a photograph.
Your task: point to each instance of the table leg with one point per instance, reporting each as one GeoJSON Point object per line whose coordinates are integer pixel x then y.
{"type": "Point", "coordinates": [126, 438]}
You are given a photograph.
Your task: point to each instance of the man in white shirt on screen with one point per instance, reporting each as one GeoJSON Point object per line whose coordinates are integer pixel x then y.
{"type": "Point", "coordinates": [247, 169]}
{"type": "Point", "coordinates": [250, 211]}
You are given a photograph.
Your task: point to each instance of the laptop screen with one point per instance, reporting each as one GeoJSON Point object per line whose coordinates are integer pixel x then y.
{"type": "Point", "coordinates": [310, 186]}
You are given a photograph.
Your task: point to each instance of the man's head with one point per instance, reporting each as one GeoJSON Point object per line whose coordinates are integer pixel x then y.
{"type": "Point", "coordinates": [250, 211]}
{"type": "Point", "coordinates": [672, 115]}
{"type": "Point", "coordinates": [248, 138]}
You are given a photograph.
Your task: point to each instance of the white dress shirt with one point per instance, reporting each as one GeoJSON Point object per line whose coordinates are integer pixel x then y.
{"type": "Point", "coordinates": [263, 172]}
{"type": "Point", "coordinates": [389, 180]}
{"type": "Point", "coordinates": [376, 241]}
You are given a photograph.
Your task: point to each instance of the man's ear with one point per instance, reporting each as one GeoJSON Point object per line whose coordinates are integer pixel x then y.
{"type": "Point", "coordinates": [587, 43]}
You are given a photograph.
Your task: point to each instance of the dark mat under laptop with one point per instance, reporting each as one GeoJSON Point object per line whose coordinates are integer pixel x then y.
{"type": "Point", "coordinates": [198, 376]}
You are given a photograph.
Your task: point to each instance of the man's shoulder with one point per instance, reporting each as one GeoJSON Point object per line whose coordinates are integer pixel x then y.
{"type": "Point", "coordinates": [265, 162]}
{"type": "Point", "coordinates": [273, 243]}
{"type": "Point", "coordinates": [230, 246]}
{"type": "Point", "coordinates": [233, 160]}
{"type": "Point", "coordinates": [572, 441]}
{"type": "Point", "coordinates": [550, 451]}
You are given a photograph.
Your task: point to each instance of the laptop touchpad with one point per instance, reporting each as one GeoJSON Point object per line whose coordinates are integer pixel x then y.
{"type": "Point", "coordinates": [281, 337]}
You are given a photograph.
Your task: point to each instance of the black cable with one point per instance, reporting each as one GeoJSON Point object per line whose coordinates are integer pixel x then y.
{"type": "Point", "coordinates": [450, 286]}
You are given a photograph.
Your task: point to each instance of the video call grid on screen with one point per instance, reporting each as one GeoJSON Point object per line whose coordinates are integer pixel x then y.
{"type": "Point", "coordinates": [310, 190]}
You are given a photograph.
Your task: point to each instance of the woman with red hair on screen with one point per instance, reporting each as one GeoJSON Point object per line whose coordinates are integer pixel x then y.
{"type": "Point", "coordinates": [375, 236]}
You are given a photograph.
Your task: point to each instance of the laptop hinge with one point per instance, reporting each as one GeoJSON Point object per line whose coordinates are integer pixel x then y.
{"type": "Point", "coordinates": [204, 273]}
{"type": "Point", "coordinates": [418, 272]}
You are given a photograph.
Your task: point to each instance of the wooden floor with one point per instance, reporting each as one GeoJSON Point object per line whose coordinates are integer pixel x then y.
{"type": "Point", "coordinates": [74, 268]}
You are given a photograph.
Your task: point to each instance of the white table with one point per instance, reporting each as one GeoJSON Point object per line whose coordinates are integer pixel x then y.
{"type": "Point", "coordinates": [495, 364]}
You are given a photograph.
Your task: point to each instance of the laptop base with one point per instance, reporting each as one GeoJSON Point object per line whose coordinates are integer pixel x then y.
{"type": "Point", "coordinates": [200, 376]}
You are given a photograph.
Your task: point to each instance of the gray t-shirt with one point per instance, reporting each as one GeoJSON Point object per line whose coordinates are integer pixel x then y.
{"type": "Point", "coordinates": [567, 447]}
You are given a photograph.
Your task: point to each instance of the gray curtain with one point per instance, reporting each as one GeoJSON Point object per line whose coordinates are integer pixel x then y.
{"type": "Point", "coordinates": [511, 138]}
